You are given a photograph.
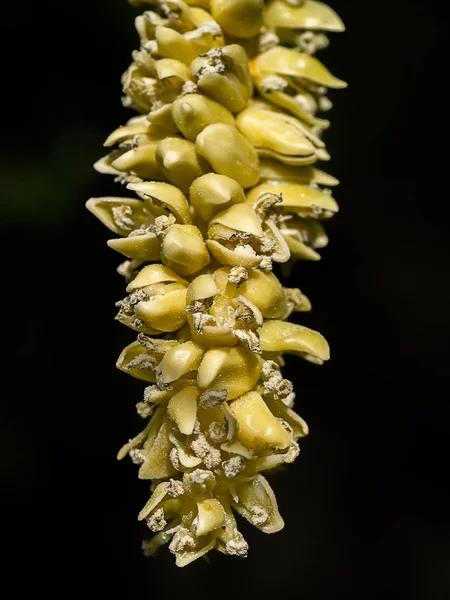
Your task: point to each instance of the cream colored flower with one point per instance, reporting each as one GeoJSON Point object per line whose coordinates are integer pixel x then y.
{"type": "Point", "coordinates": [222, 161]}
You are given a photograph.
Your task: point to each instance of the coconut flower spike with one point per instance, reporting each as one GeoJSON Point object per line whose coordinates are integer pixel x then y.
{"type": "Point", "coordinates": [220, 168]}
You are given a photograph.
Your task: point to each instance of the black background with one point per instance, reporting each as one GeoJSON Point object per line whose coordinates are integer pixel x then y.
{"type": "Point", "coordinates": [366, 505]}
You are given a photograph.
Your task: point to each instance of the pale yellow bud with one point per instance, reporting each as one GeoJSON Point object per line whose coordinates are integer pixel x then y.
{"type": "Point", "coordinates": [208, 35]}
{"type": "Point", "coordinates": [204, 35]}
{"type": "Point", "coordinates": [140, 161]}
{"type": "Point", "coordinates": [140, 363]}
{"type": "Point", "coordinates": [257, 427]}
{"type": "Point", "coordinates": [212, 193]}
{"type": "Point", "coordinates": [223, 75]}
{"type": "Point", "coordinates": [308, 15]}
{"type": "Point", "coordinates": [165, 312]}
{"type": "Point", "coordinates": [210, 516]}
{"type": "Point", "coordinates": [152, 274]}
{"type": "Point", "coordinates": [264, 290]}
{"type": "Point", "coordinates": [278, 135]}
{"type": "Point", "coordinates": [161, 119]}
{"type": "Point", "coordinates": [234, 369]}
{"type": "Point", "coordinates": [145, 246]}
{"type": "Point", "coordinates": [282, 336]}
{"type": "Point", "coordinates": [184, 250]}
{"type": "Point", "coordinates": [201, 288]}
{"type": "Point", "coordinates": [179, 162]}
{"type": "Point", "coordinates": [179, 360]}
{"type": "Point", "coordinates": [193, 112]}
{"type": "Point", "coordinates": [240, 217]}
{"type": "Point", "coordinates": [229, 153]}
{"type": "Point", "coordinates": [182, 409]}
{"type": "Point", "coordinates": [172, 44]}
{"type": "Point", "coordinates": [170, 70]}
{"type": "Point", "coordinates": [239, 18]}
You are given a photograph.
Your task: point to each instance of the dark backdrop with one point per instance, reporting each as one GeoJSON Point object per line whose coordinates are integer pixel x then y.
{"type": "Point", "coordinates": [365, 505]}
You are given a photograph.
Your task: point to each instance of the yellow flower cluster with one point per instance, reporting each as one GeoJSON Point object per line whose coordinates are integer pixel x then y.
{"type": "Point", "coordinates": [220, 160]}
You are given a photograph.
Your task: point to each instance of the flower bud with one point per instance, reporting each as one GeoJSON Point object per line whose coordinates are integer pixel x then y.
{"type": "Point", "coordinates": [229, 153]}
{"type": "Point", "coordinates": [212, 193]}
{"type": "Point", "coordinates": [184, 250]}
{"type": "Point", "coordinates": [239, 18]}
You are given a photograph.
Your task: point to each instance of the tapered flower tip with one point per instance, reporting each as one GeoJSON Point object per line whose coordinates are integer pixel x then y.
{"type": "Point", "coordinates": [282, 336]}
{"type": "Point", "coordinates": [284, 61]}
{"type": "Point", "coordinates": [310, 15]}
